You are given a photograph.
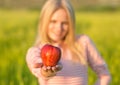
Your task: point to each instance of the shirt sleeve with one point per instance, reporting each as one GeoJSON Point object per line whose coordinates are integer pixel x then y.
{"type": "Point", "coordinates": [33, 57]}
{"type": "Point", "coordinates": [95, 60]}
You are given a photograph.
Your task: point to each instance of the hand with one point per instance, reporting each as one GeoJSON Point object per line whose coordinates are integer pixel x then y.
{"type": "Point", "coordinates": [48, 71]}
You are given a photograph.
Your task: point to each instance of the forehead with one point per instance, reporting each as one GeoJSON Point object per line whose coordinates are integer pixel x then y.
{"type": "Point", "coordinates": [60, 13]}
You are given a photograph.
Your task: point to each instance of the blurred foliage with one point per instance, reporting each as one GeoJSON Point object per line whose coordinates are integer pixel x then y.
{"type": "Point", "coordinates": [93, 5]}
{"type": "Point", "coordinates": [97, 18]}
{"type": "Point", "coordinates": [18, 32]}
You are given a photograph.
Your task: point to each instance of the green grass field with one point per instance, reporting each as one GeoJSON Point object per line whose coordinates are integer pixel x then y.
{"type": "Point", "coordinates": [18, 32]}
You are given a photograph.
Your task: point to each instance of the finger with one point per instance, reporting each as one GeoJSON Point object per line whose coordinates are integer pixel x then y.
{"type": "Point", "coordinates": [44, 68]}
{"type": "Point", "coordinates": [58, 67]}
{"type": "Point", "coordinates": [54, 69]}
{"type": "Point", "coordinates": [49, 67]}
{"type": "Point", "coordinates": [38, 65]}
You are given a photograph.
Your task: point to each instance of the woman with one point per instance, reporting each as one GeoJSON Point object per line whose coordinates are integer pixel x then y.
{"type": "Point", "coordinates": [56, 27]}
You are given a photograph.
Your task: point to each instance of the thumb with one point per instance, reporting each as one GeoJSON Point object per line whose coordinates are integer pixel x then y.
{"type": "Point", "coordinates": [37, 65]}
{"type": "Point", "coordinates": [59, 67]}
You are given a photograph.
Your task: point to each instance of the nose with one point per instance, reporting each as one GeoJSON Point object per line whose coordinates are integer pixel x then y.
{"type": "Point", "coordinates": [59, 26]}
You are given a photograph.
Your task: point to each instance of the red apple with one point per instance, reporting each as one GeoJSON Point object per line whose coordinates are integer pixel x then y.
{"type": "Point", "coordinates": [50, 55]}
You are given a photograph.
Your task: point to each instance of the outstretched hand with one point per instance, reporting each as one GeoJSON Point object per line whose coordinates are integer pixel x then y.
{"type": "Point", "coordinates": [48, 71]}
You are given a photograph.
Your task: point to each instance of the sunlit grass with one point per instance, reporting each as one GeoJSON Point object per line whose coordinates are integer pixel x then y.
{"type": "Point", "coordinates": [104, 29]}
{"type": "Point", "coordinates": [18, 32]}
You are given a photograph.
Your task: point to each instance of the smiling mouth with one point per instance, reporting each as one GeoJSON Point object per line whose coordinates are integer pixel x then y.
{"type": "Point", "coordinates": [57, 34]}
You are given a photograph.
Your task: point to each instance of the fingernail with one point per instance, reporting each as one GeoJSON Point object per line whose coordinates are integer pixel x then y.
{"type": "Point", "coordinates": [57, 66]}
{"type": "Point", "coordinates": [48, 67]}
{"type": "Point", "coordinates": [53, 68]}
{"type": "Point", "coordinates": [44, 68]}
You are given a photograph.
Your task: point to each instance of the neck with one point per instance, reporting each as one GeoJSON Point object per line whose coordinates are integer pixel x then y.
{"type": "Point", "coordinates": [59, 44]}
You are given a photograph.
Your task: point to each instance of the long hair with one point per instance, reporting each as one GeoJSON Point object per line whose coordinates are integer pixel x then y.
{"type": "Point", "coordinates": [48, 9]}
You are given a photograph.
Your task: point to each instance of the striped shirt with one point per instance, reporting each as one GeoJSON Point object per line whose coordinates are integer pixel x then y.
{"type": "Point", "coordinates": [72, 73]}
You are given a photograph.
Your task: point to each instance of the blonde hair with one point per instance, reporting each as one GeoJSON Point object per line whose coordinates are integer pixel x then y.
{"type": "Point", "coordinates": [48, 9]}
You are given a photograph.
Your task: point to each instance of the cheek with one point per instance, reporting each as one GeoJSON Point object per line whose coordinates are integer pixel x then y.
{"type": "Point", "coordinates": [50, 31]}
{"type": "Point", "coordinates": [49, 28]}
{"type": "Point", "coordinates": [66, 29]}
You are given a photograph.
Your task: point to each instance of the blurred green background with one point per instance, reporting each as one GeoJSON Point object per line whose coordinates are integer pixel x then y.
{"type": "Point", "coordinates": [100, 19]}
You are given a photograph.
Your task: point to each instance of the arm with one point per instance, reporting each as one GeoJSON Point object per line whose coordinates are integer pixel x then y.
{"type": "Point", "coordinates": [103, 80]}
{"type": "Point", "coordinates": [97, 63]}
{"type": "Point", "coordinates": [33, 61]}
{"type": "Point", "coordinates": [35, 65]}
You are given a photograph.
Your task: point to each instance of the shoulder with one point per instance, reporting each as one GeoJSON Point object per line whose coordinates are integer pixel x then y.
{"type": "Point", "coordinates": [83, 39]}
{"type": "Point", "coordinates": [34, 48]}
{"type": "Point", "coordinates": [31, 53]}
{"type": "Point", "coordinates": [31, 49]}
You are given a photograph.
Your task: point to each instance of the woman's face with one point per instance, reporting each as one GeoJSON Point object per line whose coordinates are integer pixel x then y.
{"type": "Point", "coordinates": [58, 26]}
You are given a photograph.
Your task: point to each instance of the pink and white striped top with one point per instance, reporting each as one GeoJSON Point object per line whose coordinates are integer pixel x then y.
{"type": "Point", "coordinates": [71, 73]}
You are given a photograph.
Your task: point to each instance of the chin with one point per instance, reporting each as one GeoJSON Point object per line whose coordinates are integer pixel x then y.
{"type": "Point", "coordinates": [56, 40]}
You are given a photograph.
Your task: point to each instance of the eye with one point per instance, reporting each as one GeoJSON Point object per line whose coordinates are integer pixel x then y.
{"type": "Point", "coordinates": [53, 21]}
{"type": "Point", "coordinates": [65, 23]}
